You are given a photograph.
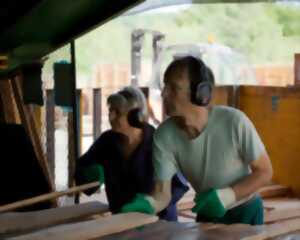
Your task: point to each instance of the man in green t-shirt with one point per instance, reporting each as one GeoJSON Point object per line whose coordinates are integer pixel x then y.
{"type": "Point", "coordinates": [216, 148]}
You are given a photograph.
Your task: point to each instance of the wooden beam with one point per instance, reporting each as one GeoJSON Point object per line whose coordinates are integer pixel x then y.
{"type": "Point", "coordinates": [91, 229]}
{"type": "Point", "coordinates": [31, 128]}
{"type": "Point", "coordinates": [277, 229]}
{"type": "Point", "coordinates": [14, 223]}
{"type": "Point", "coordinates": [275, 191]}
{"type": "Point", "coordinates": [283, 214]}
{"type": "Point", "coordinates": [46, 197]}
{"type": "Point", "coordinates": [187, 214]}
{"type": "Point", "coordinates": [280, 209]}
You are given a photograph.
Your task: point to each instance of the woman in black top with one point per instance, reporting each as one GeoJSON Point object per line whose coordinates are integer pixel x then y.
{"type": "Point", "coordinates": [125, 153]}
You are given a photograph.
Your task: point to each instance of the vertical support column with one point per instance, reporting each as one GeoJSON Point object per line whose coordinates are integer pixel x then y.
{"type": "Point", "coordinates": [50, 130]}
{"type": "Point", "coordinates": [157, 40]}
{"type": "Point", "coordinates": [75, 130]}
{"type": "Point", "coordinates": [297, 69]}
{"type": "Point", "coordinates": [137, 38]}
{"type": "Point", "coordinates": [97, 112]}
{"type": "Point", "coordinates": [2, 116]}
{"type": "Point", "coordinates": [72, 134]}
{"type": "Point", "coordinates": [233, 98]}
{"type": "Point", "coordinates": [145, 90]}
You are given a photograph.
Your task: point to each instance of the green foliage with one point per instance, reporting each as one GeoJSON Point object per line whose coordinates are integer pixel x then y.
{"type": "Point", "coordinates": [259, 30]}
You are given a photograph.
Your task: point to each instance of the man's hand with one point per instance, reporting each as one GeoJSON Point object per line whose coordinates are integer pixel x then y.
{"type": "Point", "coordinates": [139, 204]}
{"type": "Point", "coordinates": [214, 203]}
{"type": "Point", "coordinates": [93, 173]}
{"type": "Point", "coordinates": [153, 203]}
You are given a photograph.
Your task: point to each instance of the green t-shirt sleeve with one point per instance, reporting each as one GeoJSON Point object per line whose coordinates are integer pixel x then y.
{"type": "Point", "coordinates": [165, 165]}
{"type": "Point", "coordinates": [250, 144]}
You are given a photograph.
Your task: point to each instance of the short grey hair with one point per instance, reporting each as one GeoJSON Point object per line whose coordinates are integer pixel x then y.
{"type": "Point", "coordinates": [127, 99]}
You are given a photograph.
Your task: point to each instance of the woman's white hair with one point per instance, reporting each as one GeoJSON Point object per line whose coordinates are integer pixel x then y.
{"type": "Point", "coordinates": [127, 99]}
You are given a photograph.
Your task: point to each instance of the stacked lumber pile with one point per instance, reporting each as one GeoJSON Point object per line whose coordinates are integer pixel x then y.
{"type": "Point", "coordinates": [91, 221]}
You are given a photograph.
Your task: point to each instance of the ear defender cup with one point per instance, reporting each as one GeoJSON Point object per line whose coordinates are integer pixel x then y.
{"type": "Point", "coordinates": [201, 82]}
{"type": "Point", "coordinates": [203, 94]}
{"type": "Point", "coordinates": [135, 118]}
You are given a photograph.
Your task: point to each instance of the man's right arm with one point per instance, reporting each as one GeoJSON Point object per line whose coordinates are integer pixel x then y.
{"type": "Point", "coordinates": [161, 196]}
{"type": "Point", "coordinates": [165, 167]}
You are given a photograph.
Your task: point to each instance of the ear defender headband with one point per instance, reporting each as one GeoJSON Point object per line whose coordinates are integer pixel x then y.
{"type": "Point", "coordinates": [135, 117]}
{"type": "Point", "coordinates": [201, 81]}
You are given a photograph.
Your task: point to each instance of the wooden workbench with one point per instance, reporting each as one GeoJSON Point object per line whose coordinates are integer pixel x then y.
{"type": "Point", "coordinates": [163, 230]}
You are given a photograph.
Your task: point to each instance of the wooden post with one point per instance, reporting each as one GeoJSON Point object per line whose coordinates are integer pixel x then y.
{"type": "Point", "coordinates": [137, 37]}
{"type": "Point", "coordinates": [297, 69]}
{"type": "Point", "coordinates": [50, 129]}
{"type": "Point", "coordinates": [9, 106]}
{"type": "Point", "coordinates": [30, 126]}
{"type": "Point", "coordinates": [232, 92]}
{"type": "Point", "coordinates": [145, 90]}
{"type": "Point", "coordinates": [72, 135]}
{"type": "Point", "coordinates": [97, 112]}
{"type": "Point", "coordinates": [2, 116]}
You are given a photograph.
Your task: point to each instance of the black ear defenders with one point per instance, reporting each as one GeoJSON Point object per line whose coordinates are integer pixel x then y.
{"type": "Point", "coordinates": [135, 117]}
{"type": "Point", "coordinates": [201, 81]}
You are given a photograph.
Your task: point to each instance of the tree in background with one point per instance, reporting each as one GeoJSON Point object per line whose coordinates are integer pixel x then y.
{"type": "Point", "coordinates": [265, 32]}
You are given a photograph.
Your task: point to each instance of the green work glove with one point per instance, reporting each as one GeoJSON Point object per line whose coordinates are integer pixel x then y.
{"type": "Point", "coordinates": [93, 173]}
{"type": "Point", "coordinates": [214, 203]}
{"type": "Point", "coordinates": [139, 204]}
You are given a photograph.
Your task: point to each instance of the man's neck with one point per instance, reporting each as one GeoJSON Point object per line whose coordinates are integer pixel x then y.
{"type": "Point", "coordinates": [194, 121]}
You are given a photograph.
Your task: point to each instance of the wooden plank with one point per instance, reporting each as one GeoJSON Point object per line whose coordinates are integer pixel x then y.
{"type": "Point", "coordinates": [280, 209]}
{"type": "Point", "coordinates": [18, 222]}
{"type": "Point", "coordinates": [187, 214]}
{"type": "Point", "coordinates": [276, 215]}
{"type": "Point", "coordinates": [176, 231]}
{"type": "Point", "coordinates": [30, 126]}
{"type": "Point", "coordinates": [233, 231]}
{"type": "Point", "coordinates": [277, 229]}
{"type": "Point", "coordinates": [275, 191]}
{"type": "Point", "coordinates": [91, 229]}
{"type": "Point", "coordinates": [46, 197]}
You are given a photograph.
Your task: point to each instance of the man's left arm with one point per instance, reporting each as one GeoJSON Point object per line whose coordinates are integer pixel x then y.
{"type": "Point", "coordinates": [261, 175]}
